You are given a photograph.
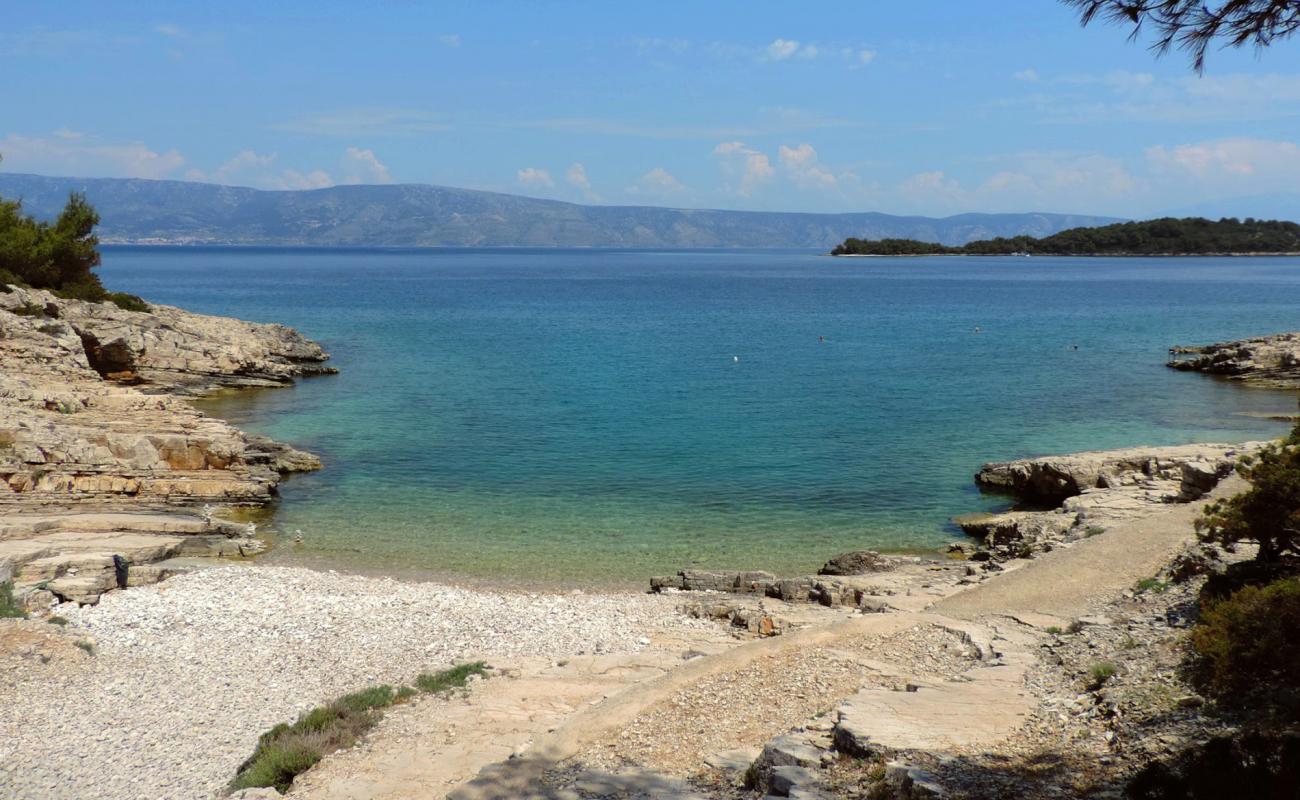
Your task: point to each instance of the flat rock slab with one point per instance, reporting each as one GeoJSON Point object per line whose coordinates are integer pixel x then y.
{"type": "Point", "coordinates": [944, 717]}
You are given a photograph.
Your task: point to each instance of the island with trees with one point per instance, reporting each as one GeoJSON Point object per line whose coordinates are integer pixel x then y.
{"type": "Point", "coordinates": [1167, 236]}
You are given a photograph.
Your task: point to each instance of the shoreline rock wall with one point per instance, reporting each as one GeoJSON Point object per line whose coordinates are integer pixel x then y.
{"type": "Point", "coordinates": [93, 419]}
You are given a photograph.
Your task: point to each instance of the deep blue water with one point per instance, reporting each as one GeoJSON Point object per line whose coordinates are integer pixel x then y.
{"type": "Point", "coordinates": [603, 415]}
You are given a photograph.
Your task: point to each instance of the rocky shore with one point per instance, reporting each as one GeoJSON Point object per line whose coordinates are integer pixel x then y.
{"type": "Point", "coordinates": [1272, 361]}
{"type": "Point", "coordinates": [106, 472]}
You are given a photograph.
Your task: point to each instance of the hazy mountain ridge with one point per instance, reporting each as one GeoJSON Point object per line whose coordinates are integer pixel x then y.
{"type": "Point", "coordinates": [134, 210]}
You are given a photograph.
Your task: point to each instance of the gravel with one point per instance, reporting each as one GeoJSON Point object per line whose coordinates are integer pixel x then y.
{"type": "Point", "coordinates": [187, 674]}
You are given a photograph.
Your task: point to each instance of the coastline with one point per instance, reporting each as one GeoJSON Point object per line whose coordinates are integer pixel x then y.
{"type": "Point", "coordinates": [278, 640]}
{"type": "Point", "coordinates": [1287, 254]}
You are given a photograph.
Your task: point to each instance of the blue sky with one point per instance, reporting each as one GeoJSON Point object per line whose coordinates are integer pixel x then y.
{"type": "Point", "coordinates": [932, 108]}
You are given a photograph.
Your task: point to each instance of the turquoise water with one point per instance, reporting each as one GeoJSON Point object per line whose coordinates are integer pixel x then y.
{"type": "Point", "coordinates": [605, 415]}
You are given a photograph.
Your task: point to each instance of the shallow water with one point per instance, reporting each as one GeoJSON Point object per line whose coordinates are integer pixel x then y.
{"type": "Point", "coordinates": [604, 415]}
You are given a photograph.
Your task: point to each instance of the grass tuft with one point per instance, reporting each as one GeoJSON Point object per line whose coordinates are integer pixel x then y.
{"type": "Point", "coordinates": [453, 678]}
{"type": "Point", "coordinates": [89, 647]}
{"type": "Point", "coordinates": [1099, 673]}
{"type": "Point", "coordinates": [57, 620]}
{"type": "Point", "coordinates": [1153, 585]}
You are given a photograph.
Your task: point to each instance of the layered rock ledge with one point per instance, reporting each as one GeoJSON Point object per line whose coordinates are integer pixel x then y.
{"type": "Point", "coordinates": [1271, 361]}
{"type": "Point", "coordinates": [1064, 498]}
{"type": "Point", "coordinates": [98, 445]}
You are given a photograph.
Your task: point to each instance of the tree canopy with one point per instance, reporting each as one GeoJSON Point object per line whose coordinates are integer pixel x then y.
{"type": "Point", "coordinates": [59, 255]}
{"type": "Point", "coordinates": [1193, 25]}
{"type": "Point", "coordinates": [1267, 513]}
{"type": "Point", "coordinates": [1164, 236]}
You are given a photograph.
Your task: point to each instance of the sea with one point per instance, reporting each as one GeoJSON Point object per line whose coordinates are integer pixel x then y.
{"type": "Point", "coordinates": [592, 417]}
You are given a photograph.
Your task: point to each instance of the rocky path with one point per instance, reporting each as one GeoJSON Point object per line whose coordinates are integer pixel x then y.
{"type": "Point", "coordinates": [948, 680]}
{"type": "Point", "coordinates": [1069, 581]}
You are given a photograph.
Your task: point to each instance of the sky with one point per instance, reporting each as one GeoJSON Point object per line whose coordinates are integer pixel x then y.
{"type": "Point", "coordinates": [929, 108]}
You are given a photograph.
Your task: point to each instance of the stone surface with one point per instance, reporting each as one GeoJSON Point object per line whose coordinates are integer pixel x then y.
{"type": "Point", "coordinates": [92, 420]}
{"type": "Point", "coordinates": [1088, 493]}
{"type": "Point", "coordinates": [1264, 360]}
{"type": "Point", "coordinates": [858, 562]}
{"type": "Point", "coordinates": [1049, 480]}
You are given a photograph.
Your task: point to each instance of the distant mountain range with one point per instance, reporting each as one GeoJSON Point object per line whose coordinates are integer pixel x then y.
{"type": "Point", "coordinates": [411, 215]}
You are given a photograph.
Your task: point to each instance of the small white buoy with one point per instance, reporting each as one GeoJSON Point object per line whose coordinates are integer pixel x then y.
{"type": "Point", "coordinates": [735, 359]}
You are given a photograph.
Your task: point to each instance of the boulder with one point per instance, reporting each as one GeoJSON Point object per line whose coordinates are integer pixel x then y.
{"type": "Point", "coordinates": [857, 562]}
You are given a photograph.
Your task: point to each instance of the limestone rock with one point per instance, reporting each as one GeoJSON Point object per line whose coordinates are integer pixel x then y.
{"type": "Point", "coordinates": [1049, 480]}
{"type": "Point", "coordinates": [90, 423]}
{"type": "Point", "coordinates": [1265, 360]}
{"type": "Point", "coordinates": [858, 562]}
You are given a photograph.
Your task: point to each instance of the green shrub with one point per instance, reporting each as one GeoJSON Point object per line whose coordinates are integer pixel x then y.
{"type": "Point", "coordinates": [89, 647]}
{"type": "Point", "coordinates": [1247, 643]}
{"type": "Point", "coordinates": [128, 302]}
{"type": "Point", "coordinates": [29, 310]}
{"type": "Point", "coordinates": [57, 620]}
{"type": "Point", "coordinates": [9, 608]}
{"type": "Point", "coordinates": [287, 750]}
{"type": "Point", "coordinates": [276, 764]}
{"type": "Point", "coordinates": [367, 699]}
{"type": "Point", "coordinates": [1269, 511]}
{"type": "Point", "coordinates": [290, 749]}
{"type": "Point", "coordinates": [453, 678]}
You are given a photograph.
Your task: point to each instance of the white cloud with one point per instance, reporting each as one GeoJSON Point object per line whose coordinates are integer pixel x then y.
{"type": "Point", "coordinates": [169, 30]}
{"type": "Point", "coordinates": [809, 51]}
{"type": "Point", "coordinates": [866, 57]}
{"type": "Point", "coordinates": [533, 178]}
{"type": "Point", "coordinates": [449, 39]}
{"type": "Point", "coordinates": [261, 171]}
{"type": "Point", "coordinates": [744, 166]}
{"type": "Point", "coordinates": [1258, 160]}
{"type": "Point", "coordinates": [1026, 75]}
{"type": "Point", "coordinates": [801, 165]}
{"type": "Point", "coordinates": [782, 49]}
{"type": "Point", "coordinates": [1052, 181]}
{"type": "Point", "coordinates": [70, 153]}
{"type": "Point", "coordinates": [359, 122]}
{"type": "Point", "coordinates": [362, 166]}
{"type": "Point", "coordinates": [658, 182]}
{"type": "Point", "coordinates": [576, 176]}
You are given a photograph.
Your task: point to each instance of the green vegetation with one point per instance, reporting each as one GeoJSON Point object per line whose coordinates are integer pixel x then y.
{"type": "Point", "coordinates": [1267, 513]}
{"type": "Point", "coordinates": [9, 608]}
{"type": "Point", "coordinates": [453, 678]}
{"type": "Point", "coordinates": [1099, 673]}
{"type": "Point", "coordinates": [1247, 642]}
{"type": "Point", "coordinates": [89, 647]}
{"type": "Point", "coordinates": [290, 749]}
{"type": "Point", "coordinates": [1153, 585]}
{"type": "Point", "coordinates": [57, 620]}
{"type": "Point", "coordinates": [57, 256]}
{"type": "Point", "coordinates": [1165, 236]}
